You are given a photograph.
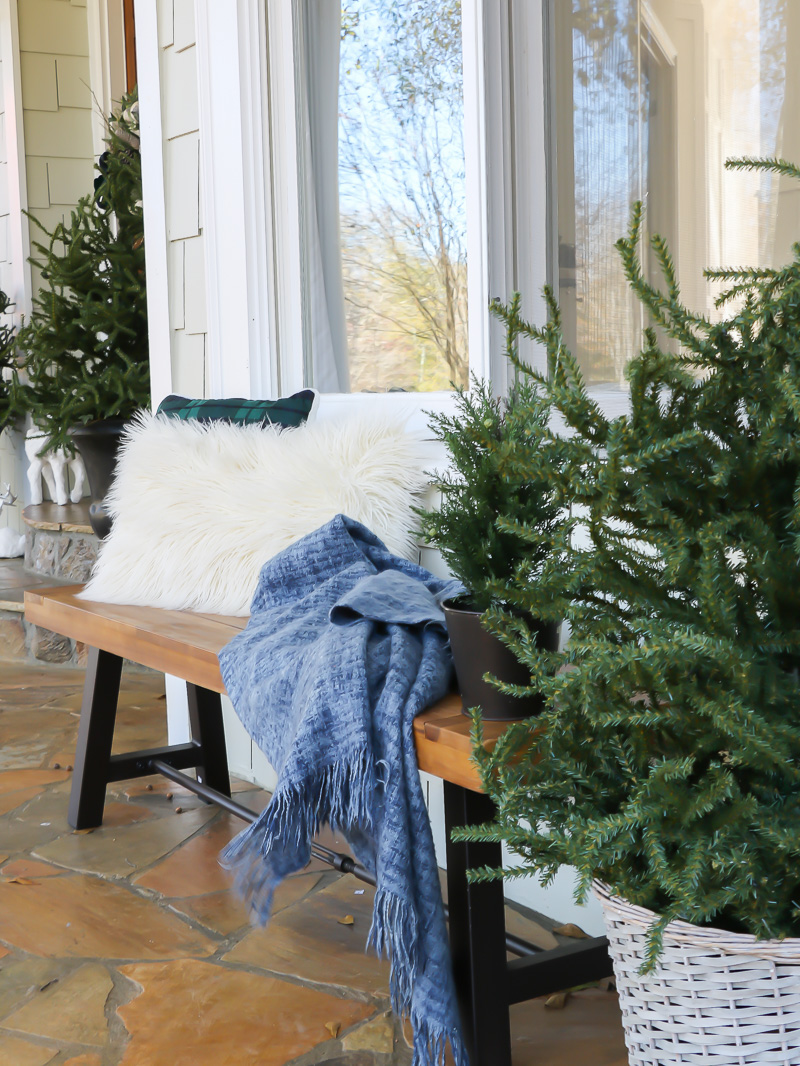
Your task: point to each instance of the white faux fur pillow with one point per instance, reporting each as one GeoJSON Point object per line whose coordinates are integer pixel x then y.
{"type": "Point", "coordinates": [199, 508]}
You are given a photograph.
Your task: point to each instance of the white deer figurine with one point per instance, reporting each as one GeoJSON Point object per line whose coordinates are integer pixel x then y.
{"type": "Point", "coordinates": [53, 466]}
{"type": "Point", "coordinates": [12, 543]}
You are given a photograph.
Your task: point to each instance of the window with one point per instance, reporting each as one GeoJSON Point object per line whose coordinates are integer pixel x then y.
{"type": "Point", "coordinates": [650, 99]}
{"type": "Point", "coordinates": [379, 96]}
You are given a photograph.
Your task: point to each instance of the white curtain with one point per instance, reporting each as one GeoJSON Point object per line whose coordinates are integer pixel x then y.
{"type": "Point", "coordinates": [318, 36]}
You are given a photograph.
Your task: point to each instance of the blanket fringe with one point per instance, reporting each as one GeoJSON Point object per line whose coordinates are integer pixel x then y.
{"type": "Point", "coordinates": [394, 934]}
{"type": "Point", "coordinates": [340, 795]}
{"type": "Point", "coordinates": [430, 1043]}
{"type": "Point", "coordinates": [278, 843]}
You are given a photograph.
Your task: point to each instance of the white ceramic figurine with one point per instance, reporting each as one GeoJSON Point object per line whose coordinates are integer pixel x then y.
{"type": "Point", "coordinates": [53, 466]}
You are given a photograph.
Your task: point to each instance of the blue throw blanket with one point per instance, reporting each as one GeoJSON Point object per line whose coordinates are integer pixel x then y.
{"type": "Point", "coordinates": [346, 644]}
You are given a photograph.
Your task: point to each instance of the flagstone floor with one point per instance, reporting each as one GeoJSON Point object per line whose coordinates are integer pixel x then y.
{"type": "Point", "coordinates": [124, 945]}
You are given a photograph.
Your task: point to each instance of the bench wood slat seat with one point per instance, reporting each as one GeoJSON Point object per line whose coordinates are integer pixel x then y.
{"type": "Point", "coordinates": [186, 645]}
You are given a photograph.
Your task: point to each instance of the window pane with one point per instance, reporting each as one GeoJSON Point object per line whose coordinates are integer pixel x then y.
{"type": "Point", "coordinates": [401, 194]}
{"type": "Point", "coordinates": [650, 100]}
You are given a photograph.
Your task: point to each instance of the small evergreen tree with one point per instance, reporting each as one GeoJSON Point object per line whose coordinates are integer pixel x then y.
{"type": "Point", "coordinates": [7, 362]}
{"type": "Point", "coordinates": [668, 761]}
{"type": "Point", "coordinates": [84, 350]}
{"type": "Point", "coordinates": [483, 433]}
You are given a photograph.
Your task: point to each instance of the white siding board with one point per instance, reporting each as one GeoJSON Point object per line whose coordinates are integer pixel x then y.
{"type": "Point", "coordinates": [180, 103]}
{"type": "Point", "coordinates": [69, 180]}
{"type": "Point", "coordinates": [2, 88]}
{"type": "Point", "coordinates": [12, 472]}
{"type": "Point", "coordinates": [182, 164]}
{"type": "Point", "coordinates": [38, 186]}
{"type": "Point", "coordinates": [195, 320]}
{"type": "Point", "coordinates": [54, 27]}
{"type": "Point", "coordinates": [3, 147]}
{"type": "Point", "coordinates": [183, 24]}
{"type": "Point", "coordinates": [49, 218]}
{"type": "Point", "coordinates": [175, 266]}
{"type": "Point", "coordinates": [58, 134]}
{"type": "Point", "coordinates": [4, 185]}
{"type": "Point", "coordinates": [166, 34]}
{"type": "Point", "coordinates": [8, 279]}
{"type": "Point", "coordinates": [4, 238]}
{"type": "Point", "coordinates": [38, 74]}
{"type": "Point", "coordinates": [189, 363]}
{"type": "Point", "coordinates": [72, 75]}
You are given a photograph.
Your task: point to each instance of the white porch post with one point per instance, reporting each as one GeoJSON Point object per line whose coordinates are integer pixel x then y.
{"type": "Point", "coordinates": [155, 243]}
{"type": "Point", "coordinates": [106, 63]}
{"type": "Point", "coordinates": [18, 230]}
{"type": "Point", "coordinates": [231, 54]}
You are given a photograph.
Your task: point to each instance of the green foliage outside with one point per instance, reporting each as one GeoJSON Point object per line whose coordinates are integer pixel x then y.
{"type": "Point", "coordinates": [84, 349]}
{"type": "Point", "coordinates": [483, 439]}
{"type": "Point", "coordinates": [668, 761]}
{"type": "Point", "coordinates": [7, 361]}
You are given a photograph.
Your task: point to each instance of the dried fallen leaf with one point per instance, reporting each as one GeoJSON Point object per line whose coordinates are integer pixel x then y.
{"type": "Point", "coordinates": [333, 1028]}
{"type": "Point", "coordinates": [347, 920]}
{"type": "Point", "coordinates": [572, 930]}
{"type": "Point", "coordinates": [20, 881]}
{"type": "Point", "coordinates": [557, 1001]}
{"type": "Point", "coordinates": [81, 832]}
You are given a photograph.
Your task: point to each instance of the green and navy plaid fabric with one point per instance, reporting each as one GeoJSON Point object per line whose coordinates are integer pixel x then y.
{"type": "Point", "coordinates": [287, 411]}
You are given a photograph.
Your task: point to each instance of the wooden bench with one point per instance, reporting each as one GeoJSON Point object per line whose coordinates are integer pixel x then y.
{"type": "Point", "coordinates": [186, 645]}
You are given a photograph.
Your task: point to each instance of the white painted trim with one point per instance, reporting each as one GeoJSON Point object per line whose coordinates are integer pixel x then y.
{"type": "Point", "coordinates": [475, 168]}
{"type": "Point", "coordinates": [155, 244]}
{"type": "Point", "coordinates": [530, 208]}
{"type": "Point", "coordinates": [106, 63]}
{"type": "Point", "coordinates": [233, 184]}
{"type": "Point", "coordinates": [18, 226]}
{"type": "Point", "coordinates": [154, 196]}
{"type": "Point", "coordinates": [498, 146]}
{"type": "Point", "coordinates": [284, 164]}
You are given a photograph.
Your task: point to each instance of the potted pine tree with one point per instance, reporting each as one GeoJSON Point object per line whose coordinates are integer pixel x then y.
{"type": "Point", "coordinates": [477, 487]}
{"type": "Point", "coordinates": [666, 767]}
{"type": "Point", "coordinates": [83, 352]}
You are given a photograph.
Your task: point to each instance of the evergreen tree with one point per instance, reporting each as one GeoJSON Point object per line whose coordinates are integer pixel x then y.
{"type": "Point", "coordinates": [480, 437]}
{"type": "Point", "coordinates": [84, 350]}
{"type": "Point", "coordinates": [668, 761]}
{"type": "Point", "coordinates": [7, 362]}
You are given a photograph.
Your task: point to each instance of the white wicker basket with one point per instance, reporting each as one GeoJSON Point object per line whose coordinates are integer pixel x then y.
{"type": "Point", "coordinates": [716, 998]}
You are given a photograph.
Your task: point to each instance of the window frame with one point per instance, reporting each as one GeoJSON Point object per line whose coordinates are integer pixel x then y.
{"type": "Point", "coordinates": [250, 191]}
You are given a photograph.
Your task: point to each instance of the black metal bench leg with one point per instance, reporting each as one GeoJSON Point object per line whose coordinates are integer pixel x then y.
{"type": "Point", "coordinates": [477, 933]}
{"type": "Point", "coordinates": [205, 720]}
{"type": "Point", "coordinates": [95, 734]}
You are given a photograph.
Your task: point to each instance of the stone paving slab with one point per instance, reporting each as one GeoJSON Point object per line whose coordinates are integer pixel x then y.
{"type": "Point", "coordinates": [71, 1010]}
{"type": "Point", "coordinates": [183, 1017]}
{"type": "Point", "coordinates": [125, 947]}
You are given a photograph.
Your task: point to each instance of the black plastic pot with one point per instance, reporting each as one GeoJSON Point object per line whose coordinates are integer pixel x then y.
{"type": "Point", "coordinates": [477, 652]}
{"type": "Point", "coordinates": [98, 444]}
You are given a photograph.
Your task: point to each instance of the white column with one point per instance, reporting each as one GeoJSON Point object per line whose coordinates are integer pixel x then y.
{"type": "Point", "coordinates": [231, 66]}
{"type": "Point", "coordinates": [106, 63]}
{"type": "Point", "coordinates": [18, 230]}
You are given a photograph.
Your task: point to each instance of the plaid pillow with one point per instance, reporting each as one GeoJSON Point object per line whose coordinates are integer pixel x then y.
{"type": "Point", "coordinates": [287, 411]}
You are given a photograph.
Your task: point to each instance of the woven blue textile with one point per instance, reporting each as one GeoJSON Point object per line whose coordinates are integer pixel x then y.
{"type": "Point", "coordinates": [345, 645]}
